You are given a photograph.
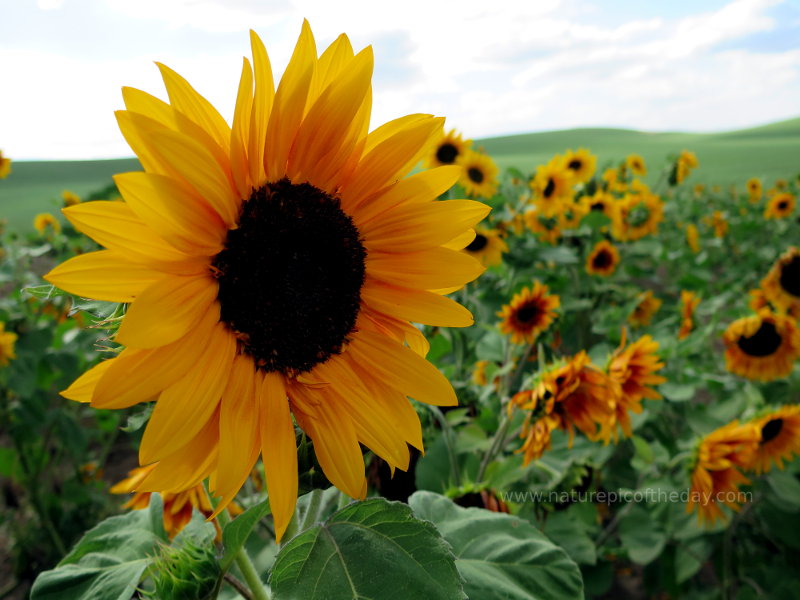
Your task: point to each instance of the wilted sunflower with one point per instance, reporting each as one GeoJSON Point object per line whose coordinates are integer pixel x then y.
{"type": "Point", "coordinates": [273, 268]}
{"type": "Point", "coordinates": [635, 163]}
{"type": "Point", "coordinates": [447, 149]}
{"type": "Point", "coordinates": [716, 474]}
{"type": "Point", "coordinates": [546, 228]}
{"type": "Point", "coordinates": [782, 284]}
{"type": "Point", "coordinates": [636, 216]}
{"type": "Point", "coordinates": [780, 438]}
{"type": "Point", "coordinates": [7, 341]}
{"type": "Point", "coordinates": [754, 189]}
{"type": "Point", "coordinates": [5, 166]}
{"type": "Point", "coordinates": [762, 347]}
{"type": "Point", "coordinates": [780, 206]}
{"type": "Point", "coordinates": [530, 312]}
{"type": "Point", "coordinates": [689, 302]}
{"type": "Point", "coordinates": [178, 507]}
{"type": "Point", "coordinates": [603, 259]}
{"type": "Point", "coordinates": [44, 220]}
{"type": "Point", "coordinates": [551, 186]}
{"type": "Point", "coordinates": [487, 246]}
{"type": "Point", "coordinates": [478, 174]}
{"type": "Point", "coordinates": [644, 311]}
{"type": "Point", "coordinates": [581, 163]}
{"type": "Point", "coordinates": [634, 368]}
{"type": "Point", "coordinates": [693, 237]}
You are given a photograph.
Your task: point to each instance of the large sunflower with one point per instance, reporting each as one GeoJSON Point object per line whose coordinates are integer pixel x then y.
{"type": "Point", "coordinates": [603, 259]}
{"type": "Point", "coordinates": [530, 312]}
{"type": "Point", "coordinates": [781, 286]}
{"type": "Point", "coordinates": [780, 438]}
{"type": "Point", "coordinates": [272, 270]}
{"type": "Point", "coordinates": [478, 174]}
{"type": "Point", "coordinates": [447, 149]}
{"type": "Point", "coordinates": [780, 206]}
{"type": "Point", "coordinates": [762, 347]}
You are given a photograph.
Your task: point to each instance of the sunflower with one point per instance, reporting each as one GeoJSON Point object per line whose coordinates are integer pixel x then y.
{"type": "Point", "coordinates": [551, 186]}
{"type": "Point", "coordinates": [633, 367]}
{"type": "Point", "coordinates": [644, 311]}
{"type": "Point", "coordinates": [762, 347]}
{"type": "Point", "coordinates": [693, 237]}
{"type": "Point", "coordinates": [635, 163]}
{"type": "Point", "coordinates": [447, 149]}
{"type": "Point", "coordinates": [780, 206]}
{"type": "Point", "coordinates": [718, 223]}
{"type": "Point", "coordinates": [603, 259]}
{"type": "Point", "coordinates": [781, 286]}
{"type": "Point", "coordinates": [478, 174]}
{"type": "Point", "coordinates": [599, 202]}
{"type": "Point", "coordinates": [7, 341]}
{"type": "Point", "coordinates": [754, 189]}
{"type": "Point", "coordinates": [70, 198]}
{"type": "Point", "coordinates": [571, 214]}
{"type": "Point", "coordinates": [530, 312]}
{"type": "Point", "coordinates": [246, 332]}
{"type": "Point", "coordinates": [683, 165]}
{"type": "Point", "coordinates": [178, 507]}
{"type": "Point", "coordinates": [487, 246]}
{"type": "Point", "coordinates": [581, 163]}
{"type": "Point", "coordinates": [546, 228]}
{"type": "Point", "coordinates": [637, 215]}
{"type": "Point", "coordinates": [716, 473]}
{"type": "Point", "coordinates": [780, 438]}
{"type": "Point", "coordinates": [537, 436]}
{"type": "Point", "coordinates": [689, 302]}
{"type": "Point", "coordinates": [5, 166]}
{"type": "Point", "coordinates": [44, 220]}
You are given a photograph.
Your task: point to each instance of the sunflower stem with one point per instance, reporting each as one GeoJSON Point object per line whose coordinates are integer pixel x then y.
{"type": "Point", "coordinates": [246, 566]}
{"type": "Point", "coordinates": [311, 512]}
{"type": "Point", "coordinates": [497, 444]}
{"type": "Point", "coordinates": [449, 442]}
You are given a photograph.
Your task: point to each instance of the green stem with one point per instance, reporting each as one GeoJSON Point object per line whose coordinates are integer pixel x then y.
{"type": "Point", "coordinates": [497, 444]}
{"type": "Point", "coordinates": [311, 511]}
{"type": "Point", "coordinates": [447, 432]}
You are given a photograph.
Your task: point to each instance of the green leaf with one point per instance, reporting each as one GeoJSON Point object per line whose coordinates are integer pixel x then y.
{"type": "Point", "coordinates": [690, 557]}
{"type": "Point", "coordinates": [44, 291]}
{"type": "Point", "coordinates": [499, 555]}
{"type": "Point", "coordinates": [643, 449]}
{"type": "Point", "coordinates": [237, 531]}
{"type": "Point", "coordinates": [369, 550]}
{"type": "Point", "coordinates": [786, 488]}
{"type": "Point", "coordinates": [106, 564]}
{"type": "Point", "coordinates": [558, 254]}
{"type": "Point", "coordinates": [675, 392]}
{"type": "Point", "coordinates": [568, 532]}
{"type": "Point", "coordinates": [641, 535]}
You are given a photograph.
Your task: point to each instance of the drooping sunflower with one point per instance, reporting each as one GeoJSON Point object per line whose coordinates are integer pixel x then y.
{"type": "Point", "coordinates": [693, 237]}
{"type": "Point", "coordinates": [487, 246]}
{"type": "Point", "coordinates": [754, 190]}
{"type": "Point", "coordinates": [552, 185]}
{"type": "Point", "coordinates": [716, 473]}
{"type": "Point", "coordinates": [447, 149]}
{"type": "Point", "coordinates": [779, 440]}
{"type": "Point", "coordinates": [762, 347]}
{"type": "Point", "coordinates": [178, 506]}
{"type": "Point", "coordinates": [781, 286]}
{"type": "Point", "coordinates": [546, 228]}
{"type": "Point", "coordinates": [689, 302]}
{"type": "Point", "coordinates": [43, 221]}
{"type": "Point", "coordinates": [637, 215]}
{"type": "Point", "coordinates": [633, 367]}
{"type": "Point", "coordinates": [478, 174]}
{"type": "Point", "coordinates": [603, 259]}
{"type": "Point", "coordinates": [7, 341]}
{"type": "Point", "coordinates": [273, 269]}
{"type": "Point", "coordinates": [581, 163]}
{"type": "Point", "coordinates": [5, 166]}
{"type": "Point", "coordinates": [644, 311]}
{"type": "Point", "coordinates": [780, 206]}
{"type": "Point", "coordinates": [530, 312]}
{"type": "Point", "coordinates": [635, 163]}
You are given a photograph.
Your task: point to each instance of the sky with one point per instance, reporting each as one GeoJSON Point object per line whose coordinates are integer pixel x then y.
{"type": "Point", "coordinates": [491, 68]}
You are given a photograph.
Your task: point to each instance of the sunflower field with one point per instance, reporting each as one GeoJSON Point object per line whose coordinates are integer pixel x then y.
{"type": "Point", "coordinates": [293, 357]}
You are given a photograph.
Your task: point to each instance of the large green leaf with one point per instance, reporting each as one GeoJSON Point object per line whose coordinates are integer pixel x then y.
{"type": "Point", "coordinates": [108, 562]}
{"type": "Point", "coordinates": [642, 536]}
{"type": "Point", "coordinates": [369, 550]}
{"type": "Point", "coordinates": [499, 555]}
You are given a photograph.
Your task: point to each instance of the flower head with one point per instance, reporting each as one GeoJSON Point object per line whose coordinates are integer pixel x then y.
{"type": "Point", "coordinates": [530, 312]}
{"type": "Point", "coordinates": [762, 347]}
{"type": "Point", "coordinates": [7, 341]}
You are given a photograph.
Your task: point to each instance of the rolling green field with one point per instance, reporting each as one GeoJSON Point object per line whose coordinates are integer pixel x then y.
{"type": "Point", "coordinates": [770, 152]}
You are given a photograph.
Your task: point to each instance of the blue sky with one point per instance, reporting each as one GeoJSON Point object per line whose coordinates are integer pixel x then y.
{"type": "Point", "coordinates": [491, 68]}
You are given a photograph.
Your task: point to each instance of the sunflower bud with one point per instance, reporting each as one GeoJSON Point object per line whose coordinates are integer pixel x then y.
{"type": "Point", "coordinates": [190, 570]}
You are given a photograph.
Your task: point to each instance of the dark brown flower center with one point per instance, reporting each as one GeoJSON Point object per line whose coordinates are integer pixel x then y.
{"type": "Point", "coordinates": [771, 430]}
{"type": "Point", "coordinates": [763, 342]}
{"type": "Point", "coordinates": [478, 244]}
{"type": "Point", "coordinates": [447, 153]}
{"type": "Point", "coordinates": [602, 260]}
{"type": "Point", "coordinates": [475, 175]}
{"type": "Point", "coordinates": [549, 188]}
{"type": "Point", "coordinates": [783, 205]}
{"type": "Point", "coordinates": [575, 164]}
{"type": "Point", "coordinates": [598, 206]}
{"type": "Point", "coordinates": [528, 313]}
{"type": "Point", "coordinates": [790, 276]}
{"type": "Point", "coordinates": [290, 277]}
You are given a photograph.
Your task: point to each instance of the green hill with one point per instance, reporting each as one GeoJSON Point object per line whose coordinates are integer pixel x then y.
{"type": "Point", "coordinates": [769, 151]}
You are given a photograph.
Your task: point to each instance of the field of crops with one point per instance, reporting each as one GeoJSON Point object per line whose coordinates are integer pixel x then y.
{"type": "Point", "coordinates": [296, 356]}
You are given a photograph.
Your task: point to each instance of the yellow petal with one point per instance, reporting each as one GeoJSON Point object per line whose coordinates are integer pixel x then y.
{"type": "Point", "coordinates": [278, 450]}
{"type": "Point", "coordinates": [103, 275]}
{"type": "Point", "coordinates": [82, 388]}
{"type": "Point", "coordinates": [166, 311]}
{"type": "Point", "coordinates": [240, 133]}
{"type": "Point", "coordinates": [261, 109]}
{"type": "Point", "coordinates": [184, 407]}
{"type": "Point", "coordinates": [425, 269]}
{"type": "Point", "coordinates": [417, 306]}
